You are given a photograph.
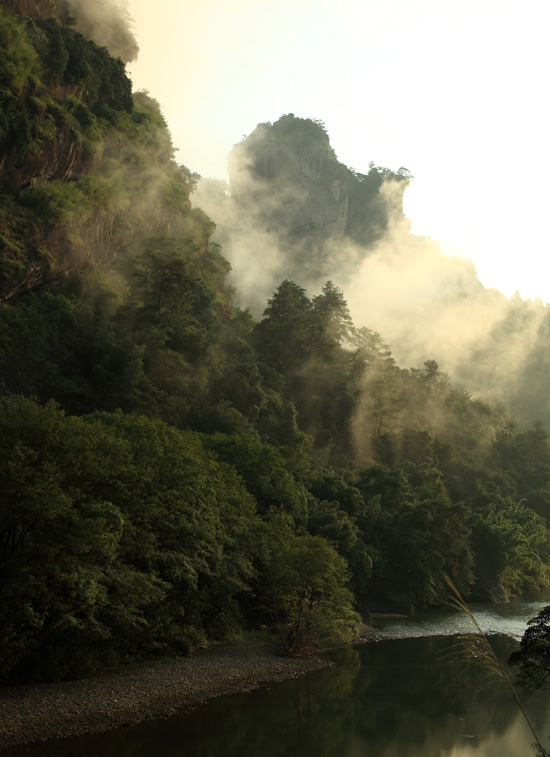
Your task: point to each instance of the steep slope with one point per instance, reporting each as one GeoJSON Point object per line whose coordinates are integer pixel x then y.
{"type": "Point", "coordinates": [294, 211]}
{"type": "Point", "coordinates": [84, 165]}
{"type": "Point", "coordinates": [106, 23]}
{"type": "Point", "coordinates": [31, 8]}
{"type": "Point", "coordinates": [175, 471]}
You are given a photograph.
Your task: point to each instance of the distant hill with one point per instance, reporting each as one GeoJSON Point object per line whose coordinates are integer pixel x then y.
{"type": "Point", "coordinates": [292, 210]}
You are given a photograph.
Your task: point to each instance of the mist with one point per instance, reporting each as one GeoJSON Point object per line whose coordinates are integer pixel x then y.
{"type": "Point", "coordinates": [254, 252]}
{"type": "Point", "coordinates": [428, 306]}
{"type": "Point", "coordinates": [291, 213]}
{"type": "Point", "coordinates": [106, 22]}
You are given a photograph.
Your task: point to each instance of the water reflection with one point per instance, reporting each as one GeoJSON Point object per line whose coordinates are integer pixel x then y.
{"type": "Point", "coordinates": [386, 699]}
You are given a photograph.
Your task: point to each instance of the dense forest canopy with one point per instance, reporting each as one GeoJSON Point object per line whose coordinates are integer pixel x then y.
{"type": "Point", "coordinates": [177, 469]}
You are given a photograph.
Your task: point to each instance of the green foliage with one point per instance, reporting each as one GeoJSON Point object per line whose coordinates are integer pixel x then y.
{"type": "Point", "coordinates": [37, 56]}
{"type": "Point", "coordinates": [284, 334]}
{"type": "Point", "coordinates": [533, 656]}
{"type": "Point", "coordinates": [328, 520]}
{"type": "Point", "coordinates": [57, 201]}
{"type": "Point", "coordinates": [191, 522]}
{"type": "Point", "coordinates": [59, 539]}
{"type": "Point", "coordinates": [418, 534]}
{"type": "Point", "coordinates": [206, 570]}
{"type": "Point", "coordinates": [118, 536]}
{"type": "Point", "coordinates": [19, 62]}
{"type": "Point", "coordinates": [306, 583]}
{"type": "Point", "coordinates": [264, 470]}
{"type": "Point", "coordinates": [121, 536]}
{"type": "Point", "coordinates": [513, 540]}
{"type": "Point", "coordinates": [73, 61]}
{"type": "Point", "coordinates": [67, 113]}
{"type": "Point", "coordinates": [212, 472]}
{"type": "Point", "coordinates": [332, 324]}
{"type": "Point", "coordinates": [303, 345]}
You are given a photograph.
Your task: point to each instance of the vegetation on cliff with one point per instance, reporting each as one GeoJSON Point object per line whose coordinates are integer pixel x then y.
{"type": "Point", "coordinates": [175, 470]}
{"type": "Point", "coordinates": [286, 179]}
{"type": "Point", "coordinates": [293, 211]}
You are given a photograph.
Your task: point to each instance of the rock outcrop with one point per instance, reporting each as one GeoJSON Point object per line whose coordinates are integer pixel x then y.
{"type": "Point", "coordinates": [287, 181]}
{"type": "Point", "coordinates": [65, 149]}
{"type": "Point", "coordinates": [64, 157]}
{"type": "Point", "coordinates": [31, 8]}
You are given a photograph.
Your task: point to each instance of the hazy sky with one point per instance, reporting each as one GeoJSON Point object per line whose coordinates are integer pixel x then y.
{"type": "Point", "coordinates": [454, 90]}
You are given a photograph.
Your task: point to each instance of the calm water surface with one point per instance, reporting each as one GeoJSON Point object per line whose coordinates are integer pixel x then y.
{"type": "Point", "coordinates": [397, 697]}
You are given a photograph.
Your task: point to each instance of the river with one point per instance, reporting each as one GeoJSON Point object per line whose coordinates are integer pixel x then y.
{"type": "Point", "coordinates": [406, 695]}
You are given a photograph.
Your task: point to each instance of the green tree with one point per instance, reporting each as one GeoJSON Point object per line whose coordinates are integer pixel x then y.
{"type": "Point", "coordinates": [308, 584]}
{"type": "Point", "coordinates": [190, 522]}
{"type": "Point", "coordinates": [264, 470]}
{"type": "Point", "coordinates": [414, 532]}
{"type": "Point", "coordinates": [328, 520]}
{"type": "Point", "coordinates": [533, 656]}
{"type": "Point", "coordinates": [510, 541]}
{"type": "Point", "coordinates": [59, 542]}
{"type": "Point", "coordinates": [283, 337]}
{"type": "Point", "coordinates": [332, 324]}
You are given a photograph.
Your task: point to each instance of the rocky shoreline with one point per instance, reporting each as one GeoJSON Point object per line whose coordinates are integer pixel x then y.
{"type": "Point", "coordinates": [139, 692]}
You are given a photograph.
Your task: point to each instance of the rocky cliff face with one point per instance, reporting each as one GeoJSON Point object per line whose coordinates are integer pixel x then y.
{"type": "Point", "coordinates": [40, 139]}
{"type": "Point", "coordinates": [32, 8]}
{"type": "Point", "coordinates": [63, 157]}
{"type": "Point", "coordinates": [288, 176]}
{"type": "Point", "coordinates": [300, 194]}
{"type": "Point", "coordinates": [104, 21]}
{"type": "Point", "coordinates": [85, 166]}
{"type": "Point", "coordinates": [286, 180]}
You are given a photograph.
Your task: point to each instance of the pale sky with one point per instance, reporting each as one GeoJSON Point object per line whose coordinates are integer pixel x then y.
{"type": "Point", "coordinates": [454, 90]}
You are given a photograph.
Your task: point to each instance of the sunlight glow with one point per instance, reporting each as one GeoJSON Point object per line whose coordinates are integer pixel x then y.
{"type": "Point", "coordinates": [453, 91]}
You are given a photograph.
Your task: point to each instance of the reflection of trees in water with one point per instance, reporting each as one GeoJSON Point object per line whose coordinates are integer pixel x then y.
{"type": "Point", "coordinates": [309, 715]}
{"type": "Point", "coordinates": [304, 716]}
{"type": "Point", "coordinates": [425, 703]}
{"type": "Point", "coordinates": [475, 648]}
{"type": "Point", "coordinates": [385, 699]}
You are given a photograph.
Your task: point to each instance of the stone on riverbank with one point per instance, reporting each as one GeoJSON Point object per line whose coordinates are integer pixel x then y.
{"type": "Point", "coordinates": [143, 691]}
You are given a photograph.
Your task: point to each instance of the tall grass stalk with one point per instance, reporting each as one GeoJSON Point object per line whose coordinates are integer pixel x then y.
{"type": "Point", "coordinates": [476, 646]}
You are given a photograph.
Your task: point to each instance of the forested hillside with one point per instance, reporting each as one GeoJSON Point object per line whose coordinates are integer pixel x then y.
{"type": "Point", "coordinates": [176, 470]}
{"type": "Point", "coordinates": [292, 210]}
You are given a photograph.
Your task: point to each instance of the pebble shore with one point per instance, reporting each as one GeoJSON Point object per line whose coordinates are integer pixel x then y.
{"type": "Point", "coordinates": [139, 692]}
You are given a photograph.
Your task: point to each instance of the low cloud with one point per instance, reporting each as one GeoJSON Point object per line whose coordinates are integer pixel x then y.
{"type": "Point", "coordinates": [107, 22]}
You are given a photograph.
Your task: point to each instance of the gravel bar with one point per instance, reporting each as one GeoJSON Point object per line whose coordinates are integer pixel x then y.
{"type": "Point", "coordinates": [143, 691]}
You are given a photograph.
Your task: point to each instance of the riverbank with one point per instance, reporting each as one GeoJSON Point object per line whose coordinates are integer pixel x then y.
{"type": "Point", "coordinates": [144, 691]}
